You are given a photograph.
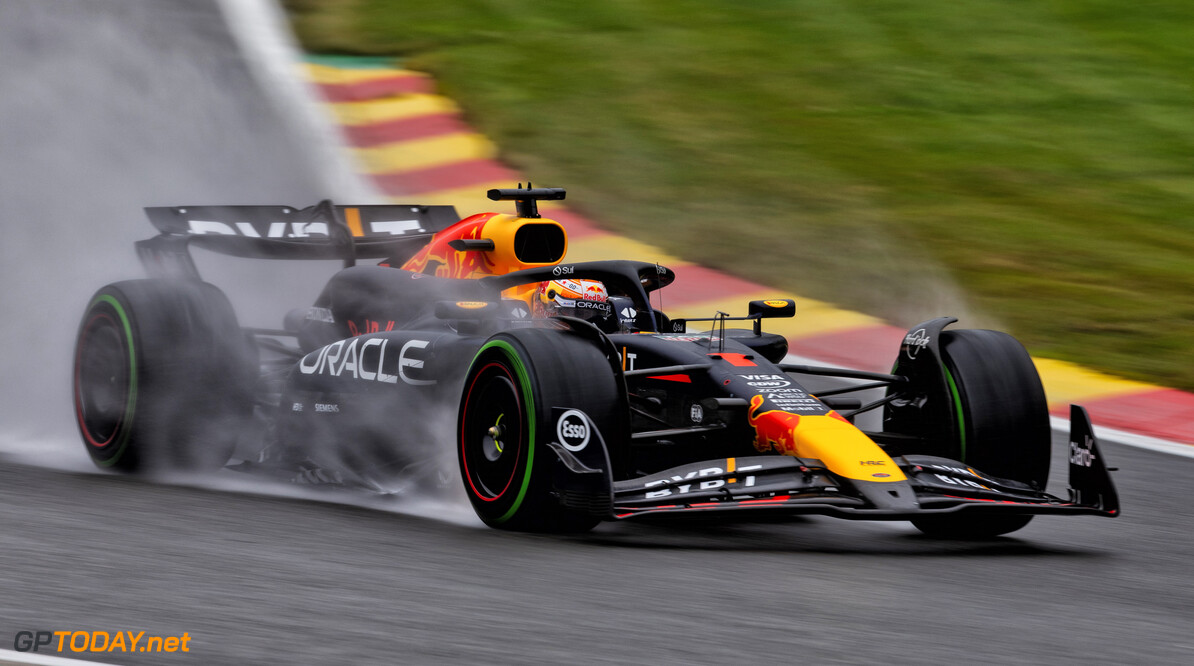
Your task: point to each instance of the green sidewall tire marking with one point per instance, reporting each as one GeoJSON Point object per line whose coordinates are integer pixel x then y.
{"type": "Point", "coordinates": [953, 389]}
{"type": "Point", "coordinates": [130, 408]}
{"type": "Point", "coordinates": [524, 380]}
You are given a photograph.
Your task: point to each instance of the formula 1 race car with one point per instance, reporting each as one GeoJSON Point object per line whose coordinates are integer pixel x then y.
{"type": "Point", "coordinates": [564, 395]}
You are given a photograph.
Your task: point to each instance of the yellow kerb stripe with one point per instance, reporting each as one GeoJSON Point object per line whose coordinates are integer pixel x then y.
{"type": "Point", "coordinates": [391, 108]}
{"type": "Point", "coordinates": [425, 153]}
{"type": "Point", "coordinates": [334, 75]}
{"type": "Point", "coordinates": [1066, 383]}
{"type": "Point", "coordinates": [609, 246]}
{"type": "Point", "coordinates": [467, 200]}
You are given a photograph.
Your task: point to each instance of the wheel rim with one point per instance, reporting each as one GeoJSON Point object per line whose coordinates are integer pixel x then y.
{"type": "Point", "coordinates": [492, 432]}
{"type": "Point", "coordinates": [102, 380]}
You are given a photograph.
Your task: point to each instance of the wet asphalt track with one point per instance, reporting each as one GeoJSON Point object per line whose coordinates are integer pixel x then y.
{"type": "Point", "coordinates": [259, 579]}
{"type": "Point", "coordinates": [110, 105]}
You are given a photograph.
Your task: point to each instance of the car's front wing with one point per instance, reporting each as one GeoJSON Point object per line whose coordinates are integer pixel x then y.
{"type": "Point", "coordinates": [780, 484]}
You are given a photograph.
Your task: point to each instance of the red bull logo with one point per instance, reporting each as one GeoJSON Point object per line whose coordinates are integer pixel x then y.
{"type": "Point", "coordinates": [467, 264]}
{"type": "Point", "coordinates": [774, 429]}
{"type": "Point", "coordinates": [842, 448]}
{"type": "Point", "coordinates": [594, 291]}
{"type": "Point", "coordinates": [445, 261]}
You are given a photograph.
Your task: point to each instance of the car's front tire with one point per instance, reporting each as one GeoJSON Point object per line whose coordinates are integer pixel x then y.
{"type": "Point", "coordinates": [1003, 423]}
{"type": "Point", "coordinates": [504, 423]}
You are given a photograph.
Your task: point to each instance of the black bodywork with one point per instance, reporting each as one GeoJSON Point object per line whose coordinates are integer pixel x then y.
{"type": "Point", "coordinates": [362, 389]}
{"type": "Point", "coordinates": [376, 408]}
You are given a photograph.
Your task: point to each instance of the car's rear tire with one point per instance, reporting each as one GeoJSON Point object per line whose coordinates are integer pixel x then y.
{"type": "Point", "coordinates": [504, 423]}
{"type": "Point", "coordinates": [163, 376]}
{"type": "Point", "coordinates": [1003, 419]}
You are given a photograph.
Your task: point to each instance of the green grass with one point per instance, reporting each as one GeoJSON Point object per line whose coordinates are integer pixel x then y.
{"type": "Point", "coordinates": [1023, 165]}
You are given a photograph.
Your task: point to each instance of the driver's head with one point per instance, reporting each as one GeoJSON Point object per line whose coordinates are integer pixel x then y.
{"type": "Point", "coordinates": [584, 299]}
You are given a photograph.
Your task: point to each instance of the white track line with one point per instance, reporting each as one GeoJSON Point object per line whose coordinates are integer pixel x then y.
{"type": "Point", "coordinates": [1104, 434]}
{"type": "Point", "coordinates": [8, 657]}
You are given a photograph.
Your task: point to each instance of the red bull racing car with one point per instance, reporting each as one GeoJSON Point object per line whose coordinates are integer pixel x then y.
{"type": "Point", "coordinates": [555, 393]}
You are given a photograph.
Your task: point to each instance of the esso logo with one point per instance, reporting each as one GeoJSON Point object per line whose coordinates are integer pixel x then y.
{"type": "Point", "coordinates": [572, 429]}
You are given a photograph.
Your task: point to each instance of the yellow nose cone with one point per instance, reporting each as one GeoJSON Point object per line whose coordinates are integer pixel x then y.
{"type": "Point", "coordinates": [844, 449]}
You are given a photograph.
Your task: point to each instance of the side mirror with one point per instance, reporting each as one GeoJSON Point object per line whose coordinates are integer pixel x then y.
{"type": "Point", "coordinates": [770, 309]}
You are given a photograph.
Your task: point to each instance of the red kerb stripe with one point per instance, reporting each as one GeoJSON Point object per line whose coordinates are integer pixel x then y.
{"type": "Point", "coordinates": [398, 84]}
{"type": "Point", "coordinates": [445, 177]}
{"type": "Point", "coordinates": [405, 129]}
{"type": "Point", "coordinates": [870, 348]}
{"type": "Point", "coordinates": [1164, 413]}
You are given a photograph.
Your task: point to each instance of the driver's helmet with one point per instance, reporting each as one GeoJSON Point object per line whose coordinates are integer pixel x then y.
{"type": "Point", "coordinates": [584, 299]}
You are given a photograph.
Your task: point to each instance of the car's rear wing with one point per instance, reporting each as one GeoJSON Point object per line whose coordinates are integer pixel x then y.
{"type": "Point", "coordinates": [322, 231]}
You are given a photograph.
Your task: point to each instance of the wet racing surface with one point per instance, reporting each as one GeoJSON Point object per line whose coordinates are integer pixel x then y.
{"type": "Point", "coordinates": [110, 106]}
{"type": "Point", "coordinates": [261, 579]}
